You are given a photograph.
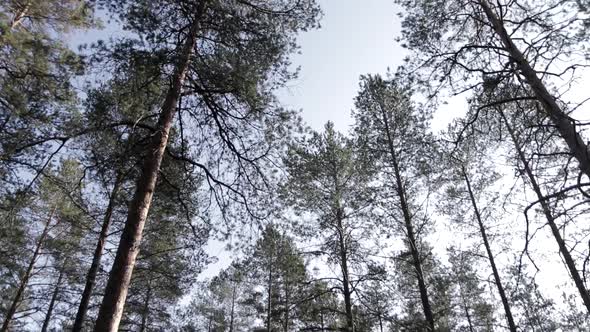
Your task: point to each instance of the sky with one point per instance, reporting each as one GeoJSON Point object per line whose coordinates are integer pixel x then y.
{"type": "Point", "coordinates": [355, 38]}
{"type": "Point", "coordinates": [358, 38]}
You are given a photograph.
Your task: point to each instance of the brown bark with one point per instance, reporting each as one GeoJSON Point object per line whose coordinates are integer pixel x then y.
{"type": "Point", "coordinates": [569, 261]}
{"type": "Point", "coordinates": [409, 227]}
{"type": "Point", "coordinates": [95, 266]}
{"type": "Point", "coordinates": [486, 243]}
{"type": "Point", "coordinates": [25, 278]}
{"type": "Point", "coordinates": [563, 123]}
{"type": "Point", "coordinates": [52, 301]}
{"type": "Point", "coordinates": [113, 302]}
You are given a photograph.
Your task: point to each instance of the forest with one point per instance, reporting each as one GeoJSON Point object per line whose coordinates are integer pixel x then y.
{"type": "Point", "coordinates": [129, 163]}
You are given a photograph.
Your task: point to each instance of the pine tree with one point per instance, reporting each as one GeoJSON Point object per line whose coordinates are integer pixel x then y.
{"type": "Point", "coordinates": [389, 126]}
{"type": "Point", "coordinates": [223, 76]}
{"type": "Point", "coordinates": [329, 179]}
{"type": "Point", "coordinates": [483, 44]}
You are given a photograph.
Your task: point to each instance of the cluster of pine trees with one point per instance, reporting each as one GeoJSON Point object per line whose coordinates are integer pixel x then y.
{"type": "Point", "coordinates": [122, 160]}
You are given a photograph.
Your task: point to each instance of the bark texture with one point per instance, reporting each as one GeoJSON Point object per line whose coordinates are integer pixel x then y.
{"type": "Point", "coordinates": [111, 309]}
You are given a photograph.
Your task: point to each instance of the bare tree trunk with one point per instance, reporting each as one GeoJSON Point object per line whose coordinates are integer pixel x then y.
{"type": "Point", "coordinates": [486, 243]}
{"type": "Point", "coordinates": [569, 261]}
{"type": "Point", "coordinates": [94, 267]}
{"type": "Point", "coordinates": [563, 123]}
{"type": "Point", "coordinates": [113, 302]}
{"type": "Point", "coordinates": [467, 314]}
{"type": "Point", "coordinates": [25, 278]}
{"type": "Point", "coordinates": [345, 278]}
{"type": "Point", "coordinates": [287, 295]}
{"type": "Point", "coordinates": [52, 302]}
{"type": "Point", "coordinates": [269, 308]}
{"type": "Point", "coordinates": [233, 302]}
{"type": "Point", "coordinates": [409, 227]}
{"type": "Point", "coordinates": [146, 309]}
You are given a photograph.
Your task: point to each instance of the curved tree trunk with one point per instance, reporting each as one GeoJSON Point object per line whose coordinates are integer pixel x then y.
{"type": "Point", "coordinates": [486, 243]}
{"type": "Point", "coordinates": [94, 267]}
{"type": "Point", "coordinates": [111, 309]}
{"type": "Point", "coordinates": [563, 123]}
{"type": "Point", "coordinates": [569, 261]}
{"type": "Point", "coordinates": [25, 278]}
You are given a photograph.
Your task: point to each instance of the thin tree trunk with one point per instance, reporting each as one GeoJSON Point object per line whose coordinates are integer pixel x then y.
{"type": "Point", "coordinates": [113, 302]}
{"type": "Point", "coordinates": [25, 278]}
{"type": "Point", "coordinates": [486, 243]}
{"type": "Point", "coordinates": [287, 294]}
{"type": "Point", "coordinates": [146, 309]}
{"type": "Point", "coordinates": [269, 308]}
{"type": "Point", "coordinates": [569, 261]}
{"type": "Point", "coordinates": [467, 314]}
{"type": "Point", "coordinates": [52, 302]}
{"type": "Point", "coordinates": [95, 266]}
{"type": "Point", "coordinates": [345, 278]}
{"type": "Point", "coordinates": [409, 227]}
{"type": "Point", "coordinates": [563, 123]}
{"type": "Point", "coordinates": [233, 301]}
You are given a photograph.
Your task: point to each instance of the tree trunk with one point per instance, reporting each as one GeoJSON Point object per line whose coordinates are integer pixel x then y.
{"type": "Point", "coordinates": [486, 243]}
{"type": "Point", "coordinates": [467, 314]}
{"type": "Point", "coordinates": [569, 261]}
{"type": "Point", "coordinates": [563, 123]}
{"type": "Point", "coordinates": [269, 307]}
{"type": "Point", "coordinates": [322, 318]}
{"type": "Point", "coordinates": [409, 227]}
{"type": "Point", "coordinates": [287, 295]}
{"type": "Point", "coordinates": [345, 279]}
{"type": "Point", "coordinates": [146, 309]}
{"type": "Point", "coordinates": [95, 266]}
{"type": "Point", "coordinates": [233, 302]}
{"type": "Point", "coordinates": [25, 278]}
{"type": "Point", "coordinates": [113, 302]}
{"type": "Point", "coordinates": [52, 302]}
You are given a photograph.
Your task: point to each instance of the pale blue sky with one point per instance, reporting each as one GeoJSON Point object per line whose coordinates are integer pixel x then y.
{"type": "Point", "coordinates": [356, 37]}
